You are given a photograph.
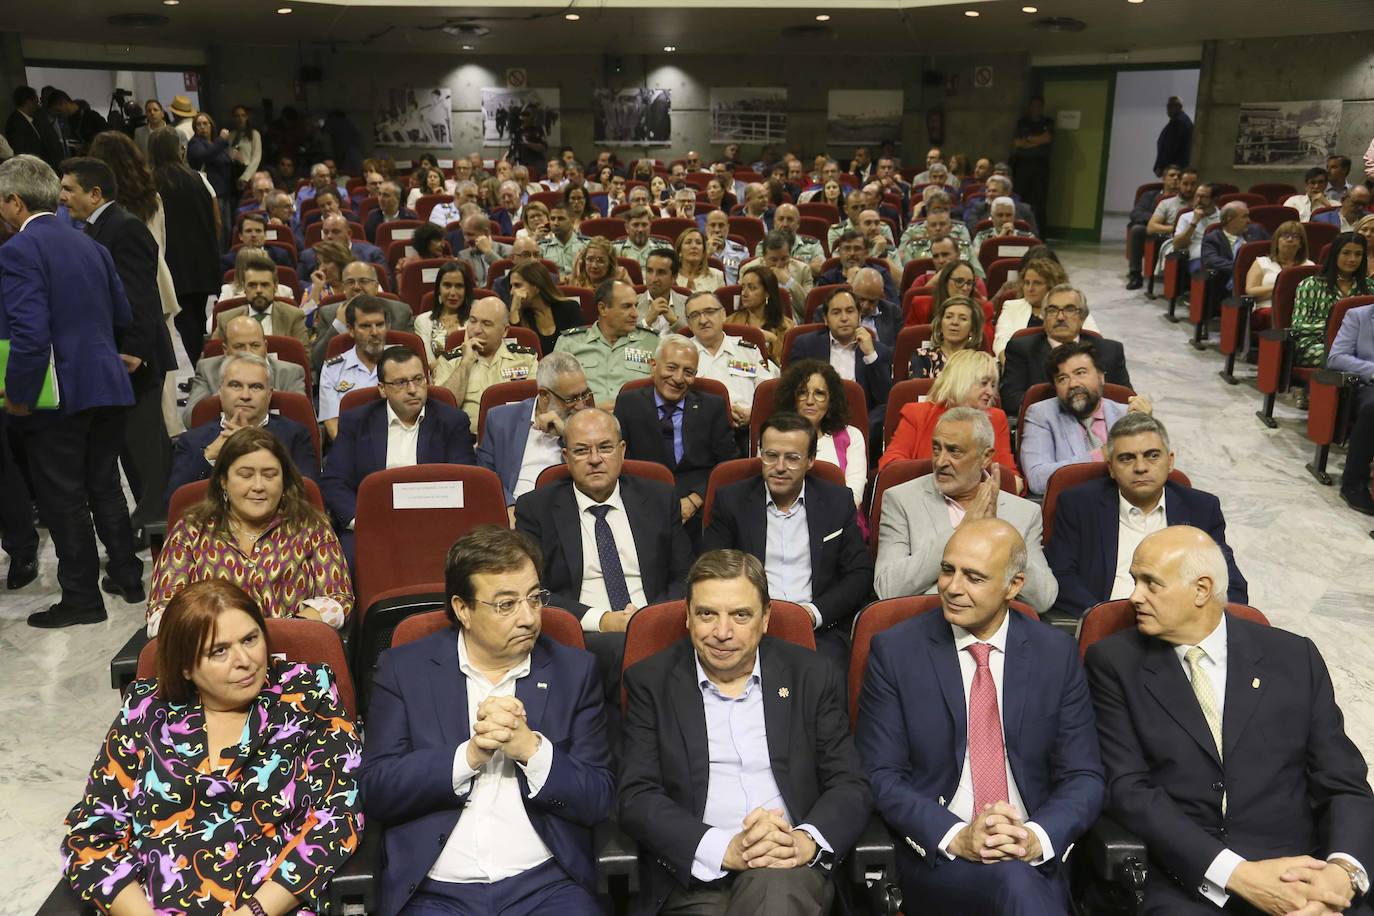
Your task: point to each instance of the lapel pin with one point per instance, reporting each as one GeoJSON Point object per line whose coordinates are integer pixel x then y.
{"type": "Point", "coordinates": [542, 686]}
{"type": "Point", "coordinates": [784, 692]}
{"type": "Point", "coordinates": [1255, 683]}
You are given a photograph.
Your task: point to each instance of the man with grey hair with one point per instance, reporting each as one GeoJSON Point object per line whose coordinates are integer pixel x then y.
{"type": "Point", "coordinates": [880, 315]}
{"type": "Point", "coordinates": [919, 516]}
{"type": "Point", "coordinates": [320, 178]}
{"type": "Point", "coordinates": [1003, 216]}
{"type": "Point", "coordinates": [1219, 248]}
{"type": "Point", "coordinates": [636, 242]}
{"type": "Point", "coordinates": [335, 228]}
{"type": "Point", "coordinates": [1225, 748]}
{"type": "Point", "coordinates": [481, 251]}
{"type": "Point", "coordinates": [1099, 524]}
{"type": "Point", "coordinates": [390, 207]}
{"type": "Point", "coordinates": [733, 361]}
{"type": "Point", "coordinates": [243, 334]}
{"type": "Point", "coordinates": [998, 185]}
{"type": "Point", "coordinates": [756, 203]}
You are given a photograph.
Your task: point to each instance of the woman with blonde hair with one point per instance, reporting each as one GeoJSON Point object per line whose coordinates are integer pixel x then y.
{"type": "Point", "coordinates": [535, 224]}
{"type": "Point", "coordinates": [1287, 249]}
{"type": "Point", "coordinates": [957, 325]}
{"type": "Point", "coordinates": [327, 279]}
{"type": "Point", "coordinates": [596, 263]}
{"type": "Point", "coordinates": [234, 288]}
{"type": "Point", "coordinates": [694, 272]}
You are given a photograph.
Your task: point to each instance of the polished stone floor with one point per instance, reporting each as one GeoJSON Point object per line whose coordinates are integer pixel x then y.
{"type": "Point", "coordinates": [1307, 557]}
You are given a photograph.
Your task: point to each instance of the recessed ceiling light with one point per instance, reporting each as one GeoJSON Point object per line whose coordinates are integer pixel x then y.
{"type": "Point", "coordinates": [571, 17]}
{"type": "Point", "coordinates": [467, 47]}
{"type": "Point", "coordinates": [670, 48]}
{"type": "Point", "coordinates": [823, 17]}
{"type": "Point", "coordinates": [1135, 1]}
{"type": "Point", "coordinates": [170, 2]}
{"type": "Point", "coordinates": [972, 14]}
{"type": "Point", "coordinates": [1030, 9]}
{"type": "Point", "coordinates": [283, 11]}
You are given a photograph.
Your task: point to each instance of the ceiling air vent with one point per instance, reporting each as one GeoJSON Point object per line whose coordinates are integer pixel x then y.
{"type": "Point", "coordinates": [1060, 24]}
{"type": "Point", "coordinates": [137, 21]}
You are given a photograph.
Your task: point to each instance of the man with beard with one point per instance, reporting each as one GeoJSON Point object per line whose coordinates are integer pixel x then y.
{"type": "Point", "coordinates": [367, 322]}
{"type": "Point", "coordinates": [259, 288]}
{"type": "Point", "coordinates": [1066, 308]}
{"type": "Point", "coordinates": [1073, 426]}
{"type": "Point", "coordinates": [636, 243]}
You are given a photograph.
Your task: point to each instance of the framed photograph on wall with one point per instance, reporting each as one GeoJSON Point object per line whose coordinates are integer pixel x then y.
{"type": "Point", "coordinates": [415, 117]}
{"type": "Point", "coordinates": [632, 117]}
{"type": "Point", "coordinates": [748, 115]}
{"type": "Point", "coordinates": [864, 116]}
{"type": "Point", "coordinates": [1286, 135]}
{"type": "Point", "coordinates": [523, 123]}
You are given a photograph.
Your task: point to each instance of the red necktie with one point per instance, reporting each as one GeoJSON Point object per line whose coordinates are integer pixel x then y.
{"type": "Point", "coordinates": [987, 753]}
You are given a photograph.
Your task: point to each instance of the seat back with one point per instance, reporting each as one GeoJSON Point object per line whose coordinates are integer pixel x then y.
{"type": "Point", "coordinates": [650, 470]}
{"type": "Point", "coordinates": [1102, 620]}
{"type": "Point", "coordinates": [705, 385]}
{"type": "Point", "coordinates": [881, 615]}
{"type": "Point", "coordinates": [289, 404]}
{"type": "Point", "coordinates": [816, 298]}
{"type": "Point", "coordinates": [396, 230]}
{"type": "Point", "coordinates": [998, 248]}
{"type": "Point", "coordinates": [914, 268]}
{"type": "Point", "coordinates": [1319, 235]}
{"type": "Point", "coordinates": [342, 343]}
{"type": "Point", "coordinates": [766, 392]}
{"type": "Point", "coordinates": [417, 278]}
{"type": "Point", "coordinates": [503, 393]}
{"type": "Point", "coordinates": [1073, 475]}
{"type": "Point", "coordinates": [286, 349]}
{"type": "Point", "coordinates": [737, 469]}
{"type": "Point", "coordinates": [313, 231]}
{"type": "Point", "coordinates": [426, 203]}
{"type": "Point", "coordinates": [554, 622]}
{"type": "Point", "coordinates": [999, 272]}
{"type": "Point", "coordinates": [585, 299]}
{"type": "Point", "coordinates": [791, 336]}
{"type": "Point", "coordinates": [749, 228]}
{"type": "Point", "coordinates": [1338, 313]}
{"type": "Point", "coordinates": [903, 393]}
{"type": "Point", "coordinates": [908, 469]}
{"type": "Point", "coordinates": [611, 227]}
{"type": "Point", "coordinates": [523, 337]}
{"type": "Point", "coordinates": [359, 397]}
{"type": "Point", "coordinates": [1245, 257]}
{"type": "Point", "coordinates": [1285, 288]}
{"type": "Point", "coordinates": [1273, 191]}
{"type": "Point", "coordinates": [1271, 216]}
{"type": "Point", "coordinates": [1246, 197]}
{"type": "Point", "coordinates": [821, 210]}
{"type": "Point", "coordinates": [917, 304]}
{"type": "Point", "coordinates": [909, 339]}
{"type": "Point", "coordinates": [670, 227]}
{"type": "Point", "coordinates": [188, 494]}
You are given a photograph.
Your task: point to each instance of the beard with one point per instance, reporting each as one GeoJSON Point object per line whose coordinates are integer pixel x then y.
{"type": "Point", "coordinates": [1082, 402]}
{"type": "Point", "coordinates": [259, 303]}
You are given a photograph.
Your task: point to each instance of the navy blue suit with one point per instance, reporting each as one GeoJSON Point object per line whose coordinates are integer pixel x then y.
{"type": "Point", "coordinates": [875, 379]}
{"type": "Point", "coordinates": [1082, 551]}
{"type": "Point", "coordinates": [502, 448]}
{"type": "Point", "coordinates": [418, 718]}
{"type": "Point", "coordinates": [376, 218]}
{"type": "Point", "coordinates": [188, 458]}
{"type": "Point", "coordinates": [279, 255]}
{"type": "Point", "coordinates": [836, 275]}
{"type": "Point", "coordinates": [363, 251]}
{"type": "Point", "coordinates": [913, 747]}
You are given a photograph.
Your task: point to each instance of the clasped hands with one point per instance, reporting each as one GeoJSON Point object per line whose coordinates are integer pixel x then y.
{"type": "Point", "coordinates": [501, 726]}
{"type": "Point", "coordinates": [1293, 886]}
{"type": "Point", "coordinates": [768, 841]}
{"type": "Point", "coordinates": [996, 834]}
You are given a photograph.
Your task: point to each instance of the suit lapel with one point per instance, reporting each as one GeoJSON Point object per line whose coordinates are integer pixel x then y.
{"type": "Point", "coordinates": [450, 690]}
{"type": "Point", "coordinates": [1016, 678]}
{"type": "Point", "coordinates": [1244, 687]}
{"type": "Point", "coordinates": [653, 430]}
{"type": "Point", "coordinates": [1109, 538]}
{"type": "Point", "coordinates": [754, 530]}
{"type": "Point", "coordinates": [776, 684]}
{"type": "Point", "coordinates": [1166, 682]}
{"type": "Point", "coordinates": [691, 431]}
{"type": "Point", "coordinates": [533, 689]}
{"type": "Point", "coordinates": [569, 528]}
{"type": "Point", "coordinates": [430, 449]}
{"type": "Point", "coordinates": [650, 572]}
{"type": "Point", "coordinates": [815, 525]}
{"type": "Point", "coordinates": [377, 433]}
{"type": "Point", "coordinates": [685, 697]}
{"type": "Point", "coordinates": [946, 666]}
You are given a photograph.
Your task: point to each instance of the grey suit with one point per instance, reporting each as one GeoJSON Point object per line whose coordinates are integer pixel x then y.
{"type": "Point", "coordinates": [285, 377]}
{"type": "Point", "coordinates": [399, 317]}
{"type": "Point", "coordinates": [915, 526]}
{"type": "Point", "coordinates": [1053, 437]}
{"type": "Point", "coordinates": [481, 263]}
{"type": "Point", "coordinates": [675, 299]}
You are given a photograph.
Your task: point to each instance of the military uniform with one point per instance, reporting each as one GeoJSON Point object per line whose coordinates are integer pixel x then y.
{"type": "Point", "coordinates": [988, 233]}
{"type": "Point", "coordinates": [840, 228]}
{"type": "Point", "coordinates": [339, 376]}
{"type": "Point", "coordinates": [738, 365]}
{"type": "Point", "coordinates": [510, 363]}
{"type": "Point", "coordinates": [609, 365]}
{"type": "Point", "coordinates": [624, 248]}
{"type": "Point", "coordinates": [564, 254]}
{"type": "Point", "coordinates": [731, 257]}
{"type": "Point", "coordinates": [804, 248]}
{"type": "Point", "coordinates": [915, 245]}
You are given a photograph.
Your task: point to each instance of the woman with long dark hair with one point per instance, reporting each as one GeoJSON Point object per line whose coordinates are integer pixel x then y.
{"type": "Point", "coordinates": [1343, 274]}
{"type": "Point", "coordinates": [192, 251]}
{"type": "Point", "coordinates": [209, 153]}
{"type": "Point", "coordinates": [453, 286]}
{"type": "Point", "coordinates": [761, 306]}
{"type": "Point", "coordinates": [245, 151]}
{"type": "Point", "coordinates": [536, 303]}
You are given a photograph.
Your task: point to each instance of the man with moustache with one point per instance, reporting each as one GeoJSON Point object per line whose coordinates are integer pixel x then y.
{"type": "Point", "coordinates": [486, 356]}
{"type": "Point", "coordinates": [367, 322]}
{"type": "Point", "coordinates": [260, 289]}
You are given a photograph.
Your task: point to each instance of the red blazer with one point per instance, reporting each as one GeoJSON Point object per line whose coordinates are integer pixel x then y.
{"type": "Point", "coordinates": [912, 438]}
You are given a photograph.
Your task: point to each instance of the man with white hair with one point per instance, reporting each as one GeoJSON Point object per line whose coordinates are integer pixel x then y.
{"type": "Point", "coordinates": [998, 185]}
{"type": "Point", "coordinates": [335, 228]}
{"type": "Point", "coordinates": [243, 334]}
{"type": "Point", "coordinates": [1003, 216]}
{"type": "Point", "coordinates": [733, 361]}
{"type": "Point", "coordinates": [1219, 248]}
{"type": "Point", "coordinates": [485, 357]}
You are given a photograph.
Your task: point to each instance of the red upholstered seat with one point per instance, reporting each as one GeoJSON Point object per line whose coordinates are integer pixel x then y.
{"type": "Point", "coordinates": [1102, 620]}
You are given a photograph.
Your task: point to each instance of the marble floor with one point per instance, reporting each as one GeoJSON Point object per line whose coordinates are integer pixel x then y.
{"type": "Point", "coordinates": [1307, 557]}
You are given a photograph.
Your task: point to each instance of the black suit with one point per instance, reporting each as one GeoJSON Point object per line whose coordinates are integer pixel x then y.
{"type": "Point", "coordinates": [146, 455]}
{"type": "Point", "coordinates": [841, 565]}
{"type": "Point", "coordinates": [375, 219]}
{"type": "Point", "coordinates": [1294, 783]}
{"type": "Point", "coordinates": [875, 378]}
{"type": "Point", "coordinates": [37, 139]}
{"type": "Point", "coordinates": [1025, 366]}
{"type": "Point", "coordinates": [664, 766]}
{"type": "Point", "coordinates": [1218, 256]}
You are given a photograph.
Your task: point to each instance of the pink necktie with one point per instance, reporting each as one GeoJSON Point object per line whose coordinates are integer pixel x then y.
{"type": "Point", "coordinates": [987, 754]}
{"type": "Point", "coordinates": [1100, 429]}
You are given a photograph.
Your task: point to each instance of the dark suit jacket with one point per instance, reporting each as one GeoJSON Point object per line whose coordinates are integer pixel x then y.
{"type": "Point", "coordinates": [61, 300]}
{"type": "Point", "coordinates": [37, 139]}
{"type": "Point", "coordinates": [1025, 366]}
{"type": "Point", "coordinates": [360, 449]}
{"type": "Point", "coordinates": [889, 322]}
{"type": "Point", "coordinates": [875, 379]}
{"type": "Point", "coordinates": [363, 251]}
{"type": "Point", "coordinates": [1082, 551]}
{"type": "Point", "coordinates": [189, 464]}
{"type": "Point", "coordinates": [913, 745]}
{"type": "Point", "coordinates": [502, 448]}
{"type": "Point", "coordinates": [417, 719]}
{"type": "Point", "coordinates": [375, 219]}
{"type": "Point", "coordinates": [706, 436]}
{"type": "Point", "coordinates": [664, 768]}
{"type": "Point", "coordinates": [841, 566]}
{"type": "Point", "coordinates": [279, 255]}
{"type": "Point", "coordinates": [550, 516]}
{"type": "Point", "coordinates": [1294, 783]}
{"type": "Point", "coordinates": [1174, 144]}
{"type": "Point", "coordinates": [1217, 255]}
{"type": "Point", "coordinates": [134, 251]}
{"type": "Point", "coordinates": [836, 275]}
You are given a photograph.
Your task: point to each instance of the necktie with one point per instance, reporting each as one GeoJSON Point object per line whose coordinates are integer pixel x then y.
{"type": "Point", "coordinates": [1206, 698]}
{"type": "Point", "coordinates": [665, 425]}
{"type": "Point", "coordinates": [987, 754]}
{"type": "Point", "coordinates": [1095, 428]}
{"type": "Point", "coordinates": [260, 316]}
{"type": "Point", "coordinates": [1235, 248]}
{"type": "Point", "coordinates": [617, 592]}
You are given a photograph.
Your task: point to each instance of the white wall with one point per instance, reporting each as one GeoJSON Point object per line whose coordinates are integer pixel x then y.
{"type": "Point", "coordinates": [1137, 118]}
{"type": "Point", "coordinates": [95, 86]}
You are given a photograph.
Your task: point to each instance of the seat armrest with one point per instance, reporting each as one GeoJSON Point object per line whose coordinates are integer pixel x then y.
{"type": "Point", "coordinates": [63, 901]}
{"type": "Point", "coordinates": [124, 664]}
{"type": "Point", "coordinates": [617, 856]}
{"type": "Point", "coordinates": [353, 889]}
{"type": "Point", "coordinates": [1115, 854]}
{"type": "Point", "coordinates": [873, 867]}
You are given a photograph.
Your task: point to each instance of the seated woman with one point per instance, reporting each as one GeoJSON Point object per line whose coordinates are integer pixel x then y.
{"type": "Point", "coordinates": [832, 193]}
{"type": "Point", "coordinates": [579, 207]}
{"type": "Point", "coordinates": [425, 181]}
{"type": "Point", "coordinates": [327, 279]}
{"type": "Point", "coordinates": [716, 194]}
{"type": "Point", "coordinates": [453, 288]}
{"type": "Point", "coordinates": [1365, 227]}
{"type": "Point", "coordinates": [956, 325]}
{"type": "Point", "coordinates": [761, 306]}
{"type": "Point", "coordinates": [1011, 287]}
{"type": "Point", "coordinates": [1288, 249]}
{"type": "Point", "coordinates": [234, 288]}
{"type": "Point", "coordinates": [969, 379]}
{"type": "Point", "coordinates": [228, 771]}
{"type": "Point", "coordinates": [536, 221]}
{"type": "Point", "coordinates": [256, 528]}
{"type": "Point", "coordinates": [536, 303]}
{"type": "Point", "coordinates": [1038, 278]}
{"type": "Point", "coordinates": [957, 279]}
{"type": "Point", "coordinates": [658, 188]}
{"type": "Point", "coordinates": [429, 243]}
{"type": "Point", "coordinates": [694, 272]}
{"type": "Point", "coordinates": [1345, 273]}
{"type": "Point", "coordinates": [813, 389]}
{"type": "Point", "coordinates": [596, 263]}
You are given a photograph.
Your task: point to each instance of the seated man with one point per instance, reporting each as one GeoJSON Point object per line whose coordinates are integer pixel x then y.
{"type": "Point", "coordinates": [561, 245]}
{"type": "Point", "coordinates": [1098, 524]}
{"type": "Point", "coordinates": [241, 335]}
{"type": "Point", "coordinates": [882, 317]}
{"type": "Point", "coordinates": [733, 361]}
{"type": "Point", "coordinates": [660, 306]}
{"type": "Point", "coordinates": [1003, 216]}
{"type": "Point", "coordinates": [607, 549]}
{"type": "Point", "coordinates": [253, 234]}
{"type": "Point", "coordinates": [854, 206]}
{"type": "Point", "coordinates": [1166, 215]}
{"type": "Point", "coordinates": [481, 252]}
{"type": "Point", "coordinates": [486, 758]}
{"type": "Point", "coordinates": [245, 392]}
{"type": "Point", "coordinates": [990, 788]}
{"type": "Point", "coordinates": [851, 349]}
{"type": "Point", "coordinates": [998, 185]}
{"type": "Point", "coordinates": [486, 356]}
{"type": "Point", "coordinates": [1224, 748]}
{"type": "Point", "coordinates": [1354, 207]}
{"type": "Point", "coordinates": [260, 288]}
{"type": "Point", "coordinates": [520, 440]}
{"type": "Point", "coordinates": [359, 279]}
{"type": "Point", "coordinates": [738, 775]}
{"type": "Point", "coordinates": [357, 366]}
{"type": "Point", "coordinates": [793, 274]}
{"type": "Point", "coordinates": [1313, 196]}
{"type": "Point", "coordinates": [390, 207]}
{"type": "Point", "coordinates": [1024, 363]}
{"type": "Point", "coordinates": [804, 531]}
{"type": "Point", "coordinates": [1353, 351]}
{"type": "Point", "coordinates": [1137, 226]}
{"type": "Point", "coordinates": [614, 350]}
{"type": "Point", "coordinates": [919, 516]}
{"type": "Point", "coordinates": [787, 220]}
{"type": "Point", "coordinates": [918, 241]}
{"type": "Point", "coordinates": [1193, 224]}
{"type": "Point", "coordinates": [719, 245]}
{"type": "Point", "coordinates": [1219, 248]}
{"type": "Point", "coordinates": [852, 253]}
{"type": "Point", "coordinates": [671, 423]}
{"type": "Point", "coordinates": [1071, 427]}
{"type": "Point", "coordinates": [400, 429]}
{"type": "Point", "coordinates": [636, 244]}
{"type": "Point", "coordinates": [334, 228]}
{"type": "Point", "coordinates": [943, 249]}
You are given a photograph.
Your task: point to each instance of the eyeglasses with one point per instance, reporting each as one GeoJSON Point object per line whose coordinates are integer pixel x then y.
{"type": "Point", "coordinates": [535, 601]}
{"type": "Point", "coordinates": [596, 259]}
{"type": "Point", "coordinates": [709, 312]}
{"type": "Point", "coordinates": [790, 460]}
{"type": "Point", "coordinates": [400, 384]}
{"type": "Point", "coordinates": [583, 452]}
{"type": "Point", "coordinates": [962, 282]}
{"type": "Point", "coordinates": [359, 281]}
{"type": "Point", "coordinates": [1068, 311]}
{"type": "Point", "coordinates": [579, 398]}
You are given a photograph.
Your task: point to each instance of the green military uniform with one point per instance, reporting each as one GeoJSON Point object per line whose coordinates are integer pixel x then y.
{"type": "Point", "coordinates": [915, 245]}
{"type": "Point", "coordinates": [805, 248]}
{"type": "Point", "coordinates": [564, 254]}
{"type": "Point", "coordinates": [840, 228]}
{"type": "Point", "coordinates": [510, 363]}
{"type": "Point", "coordinates": [624, 248]}
{"type": "Point", "coordinates": [609, 365]}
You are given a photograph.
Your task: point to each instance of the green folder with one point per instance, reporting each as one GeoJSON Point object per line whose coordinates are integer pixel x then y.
{"type": "Point", "coordinates": [47, 395]}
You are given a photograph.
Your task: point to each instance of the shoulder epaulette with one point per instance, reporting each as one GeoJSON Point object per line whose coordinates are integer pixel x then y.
{"type": "Point", "coordinates": [519, 349]}
{"type": "Point", "coordinates": [580, 329]}
{"type": "Point", "coordinates": [455, 353]}
{"type": "Point", "coordinates": [808, 238]}
{"type": "Point", "coordinates": [335, 361]}
{"type": "Point", "coordinates": [746, 342]}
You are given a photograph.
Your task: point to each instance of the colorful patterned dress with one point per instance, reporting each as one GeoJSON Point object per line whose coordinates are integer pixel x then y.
{"type": "Point", "coordinates": [1312, 305]}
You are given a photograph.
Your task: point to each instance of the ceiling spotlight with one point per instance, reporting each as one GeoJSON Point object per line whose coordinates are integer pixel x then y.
{"type": "Point", "coordinates": [282, 11]}
{"type": "Point", "coordinates": [571, 17]}
{"type": "Point", "coordinates": [1135, 1]}
{"type": "Point", "coordinates": [170, 2]}
{"type": "Point", "coordinates": [972, 14]}
{"type": "Point", "coordinates": [823, 17]}
{"type": "Point", "coordinates": [467, 47]}
{"type": "Point", "coordinates": [1030, 9]}
{"type": "Point", "coordinates": [670, 48]}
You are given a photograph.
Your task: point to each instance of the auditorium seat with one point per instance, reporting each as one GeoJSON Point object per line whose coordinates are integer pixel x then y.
{"type": "Point", "coordinates": [286, 349]}
{"type": "Point", "coordinates": [909, 339]}
{"type": "Point", "coordinates": [793, 333]}
{"type": "Point", "coordinates": [1043, 391]}
{"type": "Point", "coordinates": [899, 472]}
{"type": "Point", "coordinates": [903, 393]}
{"type": "Point", "coordinates": [999, 248]}
{"type": "Point", "coordinates": [417, 278]}
{"type": "Point", "coordinates": [395, 230]}
{"type": "Point", "coordinates": [289, 404]}
{"type": "Point", "coordinates": [700, 383]}
{"type": "Point", "coordinates": [750, 228]}
{"type": "Point", "coordinates": [816, 298]}
{"type": "Point", "coordinates": [746, 331]}
{"type": "Point", "coordinates": [737, 469]}
{"type": "Point", "coordinates": [609, 227]}
{"type": "Point", "coordinates": [521, 337]}
{"type": "Point", "coordinates": [1276, 371]}
{"type": "Point", "coordinates": [1108, 617]}
{"type": "Point", "coordinates": [359, 397]}
{"type": "Point", "coordinates": [763, 409]}
{"type": "Point", "coordinates": [503, 393]}
{"type": "Point", "coordinates": [1271, 216]}
{"type": "Point", "coordinates": [914, 268]}
{"type": "Point", "coordinates": [426, 203]}
{"type": "Point", "coordinates": [586, 301]}
{"type": "Point", "coordinates": [1236, 330]}
{"type": "Point", "coordinates": [342, 343]}
{"type": "Point", "coordinates": [1073, 475]}
{"type": "Point", "coordinates": [1330, 396]}
{"type": "Point", "coordinates": [1274, 192]}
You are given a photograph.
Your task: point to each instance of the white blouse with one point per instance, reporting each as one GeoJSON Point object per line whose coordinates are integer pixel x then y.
{"type": "Point", "coordinates": [1271, 270]}
{"type": "Point", "coordinates": [856, 460]}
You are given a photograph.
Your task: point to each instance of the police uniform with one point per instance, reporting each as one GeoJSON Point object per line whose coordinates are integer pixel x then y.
{"type": "Point", "coordinates": [839, 229]}
{"type": "Point", "coordinates": [738, 365]}
{"type": "Point", "coordinates": [804, 248]}
{"type": "Point", "coordinates": [609, 365]}
{"type": "Point", "coordinates": [564, 254]}
{"type": "Point", "coordinates": [510, 363]}
{"type": "Point", "coordinates": [339, 376]}
{"type": "Point", "coordinates": [624, 248]}
{"type": "Point", "coordinates": [731, 257]}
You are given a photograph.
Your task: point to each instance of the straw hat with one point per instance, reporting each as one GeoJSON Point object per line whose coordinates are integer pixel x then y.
{"type": "Point", "coordinates": [181, 107]}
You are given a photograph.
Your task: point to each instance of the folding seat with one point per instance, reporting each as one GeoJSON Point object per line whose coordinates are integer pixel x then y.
{"type": "Point", "coordinates": [1072, 475]}
{"type": "Point", "coordinates": [289, 404]}
{"type": "Point", "coordinates": [1153, 243]}
{"type": "Point", "coordinates": [286, 349]}
{"type": "Point", "coordinates": [1319, 235]}
{"type": "Point", "coordinates": [670, 227]}
{"type": "Point", "coordinates": [342, 343]}
{"type": "Point", "coordinates": [909, 339]}
{"type": "Point", "coordinates": [1331, 396]}
{"type": "Point", "coordinates": [1221, 187]}
{"type": "Point", "coordinates": [904, 392]}
{"type": "Point", "coordinates": [417, 278]}
{"type": "Point", "coordinates": [224, 305]}
{"type": "Point", "coordinates": [556, 623]}
{"type": "Point", "coordinates": [632, 269]}
{"type": "Point", "coordinates": [312, 232]}
{"type": "Point", "coordinates": [611, 227]}
{"type": "Point", "coordinates": [917, 303]}
{"type": "Point", "coordinates": [1276, 370]}
{"type": "Point", "coordinates": [1139, 192]}
{"type": "Point", "coordinates": [1249, 198]}
{"type": "Point", "coordinates": [815, 227]}
{"type": "Point", "coordinates": [586, 300]}
{"type": "Point", "coordinates": [1001, 271]}
{"type": "Point", "coordinates": [650, 470]}
{"type": "Point", "coordinates": [427, 202]}
{"type": "Point", "coordinates": [1205, 289]}
{"type": "Point", "coordinates": [750, 228]}
{"type": "Point", "coordinates": [995, 249]}
{"type": "Point", "coordinates": [503, 393]}
{"type": "Point", "coordinates": [817, 297]}
{"type": "Point", "coordinates": [397, 230]}
{"type": "Point", "coordinates": [792, 334]}
{"type": "Point", "coordinates": [737, 469]}
{"type": "Point", "coordinates": [523, 337]}
{"type": "Point", "coordinates": [729, 295]}
{"type": "Point", "coordinates": [1271, 216]}
{"type": "Point", "coordinates": [1236, 308]}
{"type": "Point", "coordinates": [400, 248]}
{"type": "Point", "coordinates": [821, 210]}
{"type": "Point", "coordinates": [1273, 192]}
{"type": "Point", "coordinates": [987, 224]}
{"type": "Point", "coordinates": [746, 331]}
{"type": "Point", "coordinates": [763, 409]}
{"type": "Point", "coordinates": [383, 277]}
{"type": "Point", "coordinates": [831, 263]}
{"type": "Point", "coordinates": [360, 397]}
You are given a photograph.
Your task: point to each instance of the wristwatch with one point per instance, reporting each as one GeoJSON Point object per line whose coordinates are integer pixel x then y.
{"type": "Point", "coordinates": [1359, 881]}
{"type": "Point", "coordinates": [823, 858]}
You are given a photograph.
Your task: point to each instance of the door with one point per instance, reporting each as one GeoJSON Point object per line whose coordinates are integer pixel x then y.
{"type": "Point", "coordinates": [1080, 106]}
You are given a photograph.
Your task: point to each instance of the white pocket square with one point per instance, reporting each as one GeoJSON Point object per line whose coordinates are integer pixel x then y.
{"type": "Point", "coordinates": [832, 535]}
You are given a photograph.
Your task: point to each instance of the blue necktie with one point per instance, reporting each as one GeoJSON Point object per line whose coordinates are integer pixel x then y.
{"type": "Point", "coordinates": [665, 425]}
{"type": "Point", "coordinates": [617, 592]}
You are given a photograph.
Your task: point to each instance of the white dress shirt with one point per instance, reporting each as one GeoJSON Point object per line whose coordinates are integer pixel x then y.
{"type": "Point", "coordinates": [961, 805]}
{"type": "Point", "coordinates": [1132, 526]}
{"type": "Point", "coordinates": [787, 553]}
{"type": "Point", "coordinates": [494, 807]}
{"type": "Point", "coordinates": [541, 451]}
{"type": "Point", "coordinates": [739, 367]}
{"type": "Point", "coordinates": [401, 440]}
{"type": "Point", "coordinates": [593, 581]}
{"type": "Point", "coordinates": [842, 358]}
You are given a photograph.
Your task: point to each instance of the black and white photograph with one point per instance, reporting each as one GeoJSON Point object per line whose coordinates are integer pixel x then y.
{"type": "Point", "coordinates": [415, 117]}
{"type": "Point", "coordinates": [864, 116]}
{"type": "Point", "coordinates": [1286, 135]}
{"type": "Point", "coordinates": [633, 117]}
{"type": "Point", "coordinates": [512, 115]}
{"type": "Point", "coordinates": [748, 115]}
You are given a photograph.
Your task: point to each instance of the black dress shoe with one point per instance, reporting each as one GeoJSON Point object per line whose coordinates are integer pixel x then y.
{"type": "Point", "coordinates": [1358, 498]}
{"type": "Point", "coordinates": [21, 573]}
{"type": "Point", "coordinates": [131, 593]}
{"type": "Point", "coordinates": [58, 616]}
{"type": "Point", "coordinates": [1135, 282]}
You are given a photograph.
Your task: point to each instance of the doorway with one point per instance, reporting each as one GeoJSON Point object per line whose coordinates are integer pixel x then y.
{"type": "Point", "coordinates": [1137, 118]}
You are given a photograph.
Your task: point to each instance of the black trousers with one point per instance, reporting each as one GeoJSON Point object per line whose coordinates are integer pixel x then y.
{"type": "Point", "coordinates": [18, 536]}
{"type": "Point", "coordinates": [1032, 178]}
{"type": "Point", "coordinates": [147, 451]}
{"type": "Point", "coordinates": [73, 461]}
{"type": "Point", "coordinates": [190, 322]}
{"type": "Point", "coordinates": [1136, 235]}
{"type": "Point", "coordinates": [1361, 447]}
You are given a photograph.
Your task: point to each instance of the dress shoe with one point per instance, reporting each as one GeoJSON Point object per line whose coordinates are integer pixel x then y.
{"type": "Point", "coordinates": [133, 594]}
{"type": "Point", "coordinates": [58, 616]}
{"type": "Point", "coordinates": [1358, 498]}
{"type": "Point", "coordinates": [1135, 282]}
{"type": "Point", "coordinates": [21, 573]}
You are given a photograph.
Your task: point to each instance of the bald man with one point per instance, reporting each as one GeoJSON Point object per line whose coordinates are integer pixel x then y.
{"type": "Point", "coordinates": [486, 356]}
{"type": "Point", "coordinates": [335, 228]}
{"type": "Point", "coordinates": [876, 312]}
{"type": "Point", "coordinates": [982, 836]}
{"type": "Point", "coordinates": [1224, 748]}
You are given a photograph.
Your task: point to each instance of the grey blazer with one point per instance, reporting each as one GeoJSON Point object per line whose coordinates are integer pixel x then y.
{"type": "Point", "coordinates": [912, 535]}
{"type": "Point", "coordinates": [285, 377]}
